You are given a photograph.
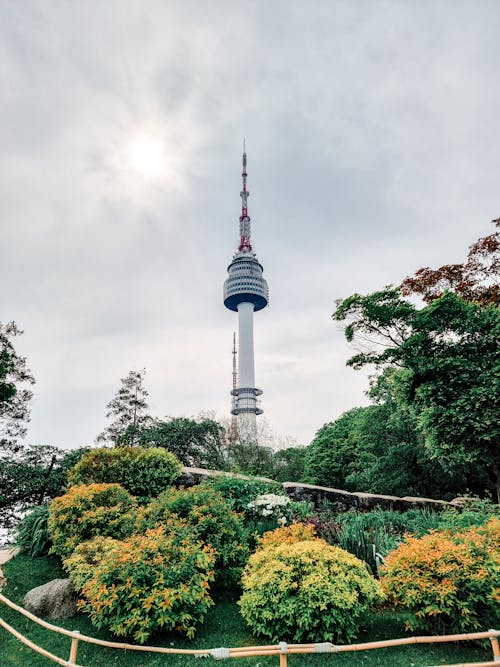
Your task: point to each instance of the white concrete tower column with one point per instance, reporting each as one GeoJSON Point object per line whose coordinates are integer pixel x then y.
{"type": "Point", "coordinates": [246, 363]}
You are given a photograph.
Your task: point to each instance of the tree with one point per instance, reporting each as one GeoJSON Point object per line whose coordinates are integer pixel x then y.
{"type": "Point", "coordinates": [289, 464]}
{"type": "Point", "coordinates": [14, 400]}
{"type": "Point", "coordinates": [447, 352]}
{"type": "Point", "coordinates": [129, 407]}
{"type": "Point", "coordinates": [474, 280]}
{"type": "Point", "coordinates": [31, 475]}
{"type": "Point", "coordinates": [195, 442]}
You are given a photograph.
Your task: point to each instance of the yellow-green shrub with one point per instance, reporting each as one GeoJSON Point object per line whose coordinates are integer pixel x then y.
{"type": "Point", "coordinates": [86, 511]}
{"type": "Point", "coordinates": [449, 581]}
{"type": "Point", "coordinates": [213, 521]}
{"type": "Point", "coordinates": [306, 591]}
{"type": "Point", "coordinates": [143, 472]}
{"type": "Point", "coordinates": [84, 559]}
{"type": "Point", "coordinates": [151, 582]}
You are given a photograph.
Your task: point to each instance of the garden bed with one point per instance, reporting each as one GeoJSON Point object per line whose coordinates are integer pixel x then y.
{"type": "Point", "coordinates": [222, 627]}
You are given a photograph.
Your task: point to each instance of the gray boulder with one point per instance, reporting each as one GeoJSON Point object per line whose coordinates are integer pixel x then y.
{"type": "Point", "coordinates": [54, 600]}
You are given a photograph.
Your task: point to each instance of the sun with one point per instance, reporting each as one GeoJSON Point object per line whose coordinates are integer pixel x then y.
{"type": "Point", "coordinates": [147, 157]}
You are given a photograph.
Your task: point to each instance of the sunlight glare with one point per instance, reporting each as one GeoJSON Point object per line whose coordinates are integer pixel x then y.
{"type": "Point", "coordinates": [148, 158]}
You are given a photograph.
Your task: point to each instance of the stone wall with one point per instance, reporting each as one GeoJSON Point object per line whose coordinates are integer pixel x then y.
{"type": "Point", "coordinates": [341, 500]}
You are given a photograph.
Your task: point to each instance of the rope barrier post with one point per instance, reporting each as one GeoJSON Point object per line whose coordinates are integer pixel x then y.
{"type": "Point", "coordinates": [495, 647]}
{"type": "Point", "coordinates": [74, 649]}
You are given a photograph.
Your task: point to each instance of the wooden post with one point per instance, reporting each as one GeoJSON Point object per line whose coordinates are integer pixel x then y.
{"type": "Point", "coordinates": [496, 648]}
{"type": "Point", "coordinates": [283, 660]}
{"type": "Point", "coordinates": [74, 648]}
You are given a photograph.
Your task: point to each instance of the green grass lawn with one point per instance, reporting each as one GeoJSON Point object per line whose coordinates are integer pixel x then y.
{"type": "Point", "coordinates": [223, 627]}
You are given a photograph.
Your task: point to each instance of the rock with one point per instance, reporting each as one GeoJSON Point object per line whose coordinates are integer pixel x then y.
{"type": "Point", "coordinates": [54, 600]}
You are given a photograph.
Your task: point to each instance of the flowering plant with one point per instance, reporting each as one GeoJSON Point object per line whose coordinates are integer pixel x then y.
{"type": "Point", "coordinates": [280, 508]}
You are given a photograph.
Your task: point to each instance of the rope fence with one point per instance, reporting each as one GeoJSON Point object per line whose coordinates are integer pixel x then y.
{"type": "Point", "coordinates": [283, 650]}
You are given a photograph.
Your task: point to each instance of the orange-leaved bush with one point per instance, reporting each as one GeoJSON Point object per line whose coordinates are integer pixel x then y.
{"type": "Point", "coordinates": [306, 590]}
{"type": "Point", "coordinates": [449, 581]}
{"type": "Point", "coordinates": [86, 511]}
{"type": "Point", "coordinates": [213, 522]}
{"type": "Point", "coordinates": [143, 472]}
{"type": "Point", "coordinates": [295, 532]}
{"type": "Point", "coordinates": [156, 581]}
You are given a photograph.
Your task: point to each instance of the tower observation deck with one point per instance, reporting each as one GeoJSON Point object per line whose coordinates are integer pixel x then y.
{"type": "Point", "coordinates": [245, 291]}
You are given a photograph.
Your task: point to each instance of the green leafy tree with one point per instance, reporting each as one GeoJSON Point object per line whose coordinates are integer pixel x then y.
{"type": "Point", "coordinates": [14, 398]}
{"type": "Point", "coordinates": [331, 451]}
{"type": "Point", "coordinates": [447, 353]}
{"type": "Point", "coordinates": [195, 442]}
{"type": "Point", "coordinates": [31, 475]}
{"type": "Point", "coordinates": [128, 408]}
{"type": "Point", "coordinates": [289, 464]}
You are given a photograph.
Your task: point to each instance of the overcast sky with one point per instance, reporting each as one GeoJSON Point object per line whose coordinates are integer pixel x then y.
{"type": "Point", "coordinates": [373, 143]}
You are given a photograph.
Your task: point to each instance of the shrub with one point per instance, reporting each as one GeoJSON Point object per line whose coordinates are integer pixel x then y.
{"type": "Point", "coordinates": [296, 532]}
{"type": "Point", "coordinates": [82, 563]}
{"type": "Point", "coordinates": [472, 512]}
{"type": "Point", "coordinates": [448, 581]}
{"type": "Point", "coordinates": [306, 591]}
{"type": "Point", "coordinates": [86, 511]}
{"type": "Point", "coordinates": [143, 472]}
{"type": "Point", "coordinates": [213, 521]}
{"type": "Point", "coordinates": [33, 535]}
{"type": "Point", "coordinates": [156, 581]}
{"type": "Point", "coordinates": [239, 491]}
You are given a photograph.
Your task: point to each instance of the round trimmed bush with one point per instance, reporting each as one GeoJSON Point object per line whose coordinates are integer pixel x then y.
{"type": "Point", "coordinates": [143, 472]}
{"type": "Point", "coordinates": [306, 591]}
{"type": "Point", "coordinates": [213, 521]}
{"type": "Point", "coordinates": [151, 582]}
{"type": "Point", "coordinates": [448, 581]}
{"type": "Point", "coordinates": [87, 511]}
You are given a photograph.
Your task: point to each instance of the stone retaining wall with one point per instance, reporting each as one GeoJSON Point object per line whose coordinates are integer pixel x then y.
{"type": "Point", "coordinates": [341, 500]}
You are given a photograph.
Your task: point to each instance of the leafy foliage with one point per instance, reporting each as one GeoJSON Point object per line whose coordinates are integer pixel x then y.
{"type": "Point", "coordinates": [86, 511]}
{"type": "Point", "coordinates": [477, 279]}
{"type": "Point", "coordinates": [289, 464]}
{"type": "Point", "coordinates": [30, 475]}
{"type": "Point", "coordinates": [239, 491]}
{"type": "Point", "coordinates": [14, 400]}
{"type": "Point", "coordinates": [200, 443]}
{"type": "Point", "coordinates": [87, 555]}
{"type": "Point", "coordinates": [128, 408]}
{"type": "Point", "coordinates": [156, 581]}
{"type": "Point", "coordinates": [295, 532]}
{"type": "Point", "coordinates": [376, 449]}
{"type": "Point", "coordinates": [33, 533]}
{"type": "Point", "coordinates": [213, 522]}
{"type": "Point", "coordinates": [143, 472]}
{"type": "Point", "coordinates": [449, 581]}
{"type": "Point", "coordinates": [306, 591]}
{"type": "Point", "coordinates": [448, 356]}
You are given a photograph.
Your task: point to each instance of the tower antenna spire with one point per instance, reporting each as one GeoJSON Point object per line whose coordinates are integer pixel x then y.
{"type": "Point", "coordinates": [245, 242]}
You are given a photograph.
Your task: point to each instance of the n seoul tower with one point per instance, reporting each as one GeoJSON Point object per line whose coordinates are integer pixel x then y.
{"type": "Point", "coordinates": [245, 291]}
